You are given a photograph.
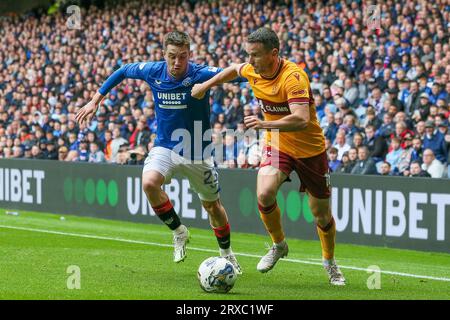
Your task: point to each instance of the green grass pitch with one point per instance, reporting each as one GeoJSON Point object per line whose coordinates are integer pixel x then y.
{"type": "Point", "coordinates": [123, 260]}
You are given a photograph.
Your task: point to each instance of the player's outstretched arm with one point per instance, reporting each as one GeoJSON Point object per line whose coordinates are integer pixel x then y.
{"type": "Point", "coordinates": [230, 73]}
{"type": "Point", "coordinates": [86, 113]}
{"type": "Point", "coordinates": [137, 70]}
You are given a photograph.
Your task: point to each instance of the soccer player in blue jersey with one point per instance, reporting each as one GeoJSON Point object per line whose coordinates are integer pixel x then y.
{"type": "Point", "coordinates": [171, 82]}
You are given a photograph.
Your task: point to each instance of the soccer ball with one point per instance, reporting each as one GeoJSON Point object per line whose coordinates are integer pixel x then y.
{"type": "Point", "coordinates": [216, 274]}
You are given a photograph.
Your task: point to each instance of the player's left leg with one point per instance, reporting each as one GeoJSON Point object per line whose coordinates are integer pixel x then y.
{"type": "Point", "coordinates": [204, 180]}
{"type": "Point", "coordinates": [218, 220]}
{"type": "Point", "coordinates": [315, 179]}
{"type": "Point", "coordinates": [326, 229]}
{"type": "Point", "coordinates": [158, 169]}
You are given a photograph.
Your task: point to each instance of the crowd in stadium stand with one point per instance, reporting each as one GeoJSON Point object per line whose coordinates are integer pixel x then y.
{"type": "Point", "coordinates": [381, 86]}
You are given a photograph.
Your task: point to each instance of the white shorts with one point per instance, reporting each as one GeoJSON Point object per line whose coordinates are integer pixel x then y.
{"type": "Point", "coordinates": [203, 177]}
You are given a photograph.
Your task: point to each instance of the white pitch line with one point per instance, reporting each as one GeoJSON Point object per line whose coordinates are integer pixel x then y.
{"type": "Point", "coordinates": [215, 251]}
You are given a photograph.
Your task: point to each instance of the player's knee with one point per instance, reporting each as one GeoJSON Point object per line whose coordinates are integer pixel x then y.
{"type": "Point", "coordinates": [320, 208]}
{"type": "Point", "coordinates": [266, 197]}
{"type": "Point", "coordinates": [151, 185]}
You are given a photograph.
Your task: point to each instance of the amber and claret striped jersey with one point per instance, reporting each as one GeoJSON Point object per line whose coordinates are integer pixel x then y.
{"type": "Point", "coordinates": [289, 84]}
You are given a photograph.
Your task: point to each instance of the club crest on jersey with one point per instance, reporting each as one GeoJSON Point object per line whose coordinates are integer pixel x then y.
{"type": "Point", "coordinates": [187, 82]}
{"type": "Point", "coordinates": [274, 89]}
{"type": "Point", "coordinates": [255, 80]}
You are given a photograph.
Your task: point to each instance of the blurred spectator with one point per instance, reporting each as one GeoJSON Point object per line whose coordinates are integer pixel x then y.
{"type": "Point", "coordinates": [230, 149]}
{"type": "Point", "coordinates": [17, 152]}
{"type": "Point", "coordinates": [234, 114]}
{"type": "Point", "coordinates": [432, 165]}
{"type": "Point", "coordinates": [116, 142]}
{"type": "Point", "coordinates": [420, 129]}
{"type": "Point", "coordinates": [123, 155]}
{"type": "Point", "coordinates": [95, 154]}
{"type": "Point", "coordinates": [350, 128]}
{"type": "Point", "coordinates": [52, 152]}
{"type": "Point", "coordinates": [371, 119]}
{"type": "Point", "coordinates": [333, 162]}
{"type": "Point", "coordinates": [36, 153]}
{"type": "Point", "coordinates": [416, 170]}
{"type": "Point", "coordinates": [401, 132]}
{"type": "Point", "coordinates": [422, 109]}
{"type": "Point", "coordinates": [393, 156]}
{"type": "Point", "coordinates": [250, 155]}
{"type": "Point", "coordinates": [365, 164]}
{"type": "Point", "coordinates": [351, 92]}
{"type": "Point", "coordinates": [72, 155]}
{"type": "Point", "coordinates": [417, 152]}
{"type": "Point", "coordinates": [108, 151]}
{"type": "Point", "coordinates": [435, 141]}
{"type": "Point", "coordinates": [387, 127]}
{"type": "Point", "coordinates": [142, 133]}
{"type": "Point", "coordinates": [344, 166]}
{"type": "Point", "coordinates": [340, 144]}
{"type": "Point", "coordinates": [329, 127]}
{"type": "Point", "coordinates": [83, 153]}
{"type": "Point", "coordinates": [405, 157]}
{"type": "Point", "coordinates": [357, 140]}
{"type": "Point", "coordinates": [27, 153]}
{"type": "Point", "coordinates": [377, 146]}
{"type": "Point", "coordinates": [62, 153]}
{"type": "Point", "coordinates": [385, 169]}
{"type": "Point", "coordinates": [137, 156]}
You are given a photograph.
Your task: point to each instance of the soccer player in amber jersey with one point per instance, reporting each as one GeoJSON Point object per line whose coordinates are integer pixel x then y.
{"type": "Point", "coordinates": [294, 142]}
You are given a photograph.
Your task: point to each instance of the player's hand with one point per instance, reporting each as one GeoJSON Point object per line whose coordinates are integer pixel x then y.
{"type": "Point", "coordinates": [198, 91]}
{"type": "Point", "coordinates": [86, 113]}
{"type": "Point", "coordinates": [253, 122]}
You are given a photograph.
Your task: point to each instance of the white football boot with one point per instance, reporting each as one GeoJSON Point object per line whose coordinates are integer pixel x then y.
{"type": "Point", "coordinates": [232, 258]}
{"type": "Point", "coordinates": [335, 275]}
{"type": "Point", "coordinates": [180, 239]}
{"type": "Point", "coordinates": [276, 252]}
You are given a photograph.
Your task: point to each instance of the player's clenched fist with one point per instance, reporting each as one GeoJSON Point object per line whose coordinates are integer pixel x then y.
{"type": "Point", "coordinates": [198, 91]}
{"type": "Point", "coordinates": [253, 122]}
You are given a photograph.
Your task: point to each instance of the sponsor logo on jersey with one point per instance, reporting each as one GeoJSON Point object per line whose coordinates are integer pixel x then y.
{"type": "Point", "coordinates": [173, 100]}
{"type": "Point", "coordinates": [158, 82]}
{"type": "Point", "coordinates": [274, 108]}
{"type": "Point", "coordinates": [297, 76]}
{"type": "Point", "coordinates": [213, 69]}
{"type": "Point", "coordinates": [142, 65]}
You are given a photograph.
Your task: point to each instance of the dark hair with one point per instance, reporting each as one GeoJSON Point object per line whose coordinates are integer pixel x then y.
{"type": "Point", "coordinates": [267, 37]}
{"type": "Point", "coordinates": [363, 147]}
{"type": "Point", "coordinates": [177, 38]}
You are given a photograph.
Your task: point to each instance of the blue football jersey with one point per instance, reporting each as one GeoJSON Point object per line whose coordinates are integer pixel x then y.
{"type": "Point", "coordinates": [181, 119]}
